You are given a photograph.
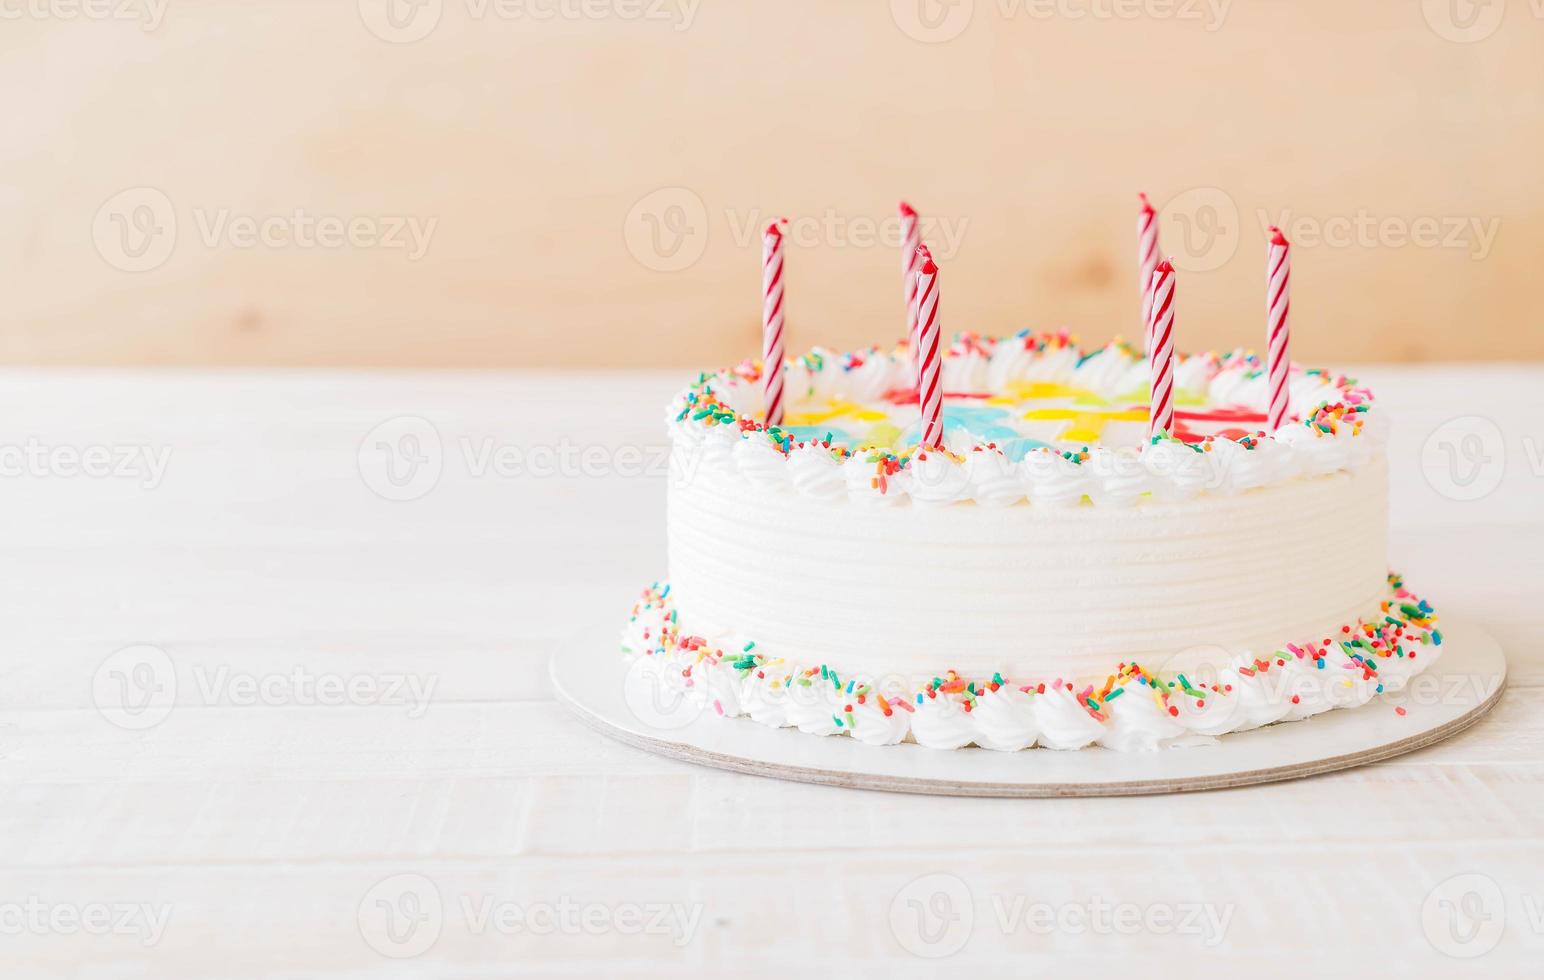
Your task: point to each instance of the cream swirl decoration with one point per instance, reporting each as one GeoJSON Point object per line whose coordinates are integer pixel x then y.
{"type": "Point", "coordinates": [1130, 711]}
{"type": "Point", "coordinates": [1017, 399]}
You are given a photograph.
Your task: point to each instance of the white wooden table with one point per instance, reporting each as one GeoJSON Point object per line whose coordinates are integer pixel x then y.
{"type": "Point", "coordinates": [259, 786]}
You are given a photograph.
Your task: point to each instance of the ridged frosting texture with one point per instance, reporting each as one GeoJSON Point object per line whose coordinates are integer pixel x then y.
{"type": "Point", "coordinates": [1024, 589]}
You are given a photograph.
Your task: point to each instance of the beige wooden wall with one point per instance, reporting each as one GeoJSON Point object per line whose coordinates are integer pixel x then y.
{"type": "Point", "coordinates": [577, 182]}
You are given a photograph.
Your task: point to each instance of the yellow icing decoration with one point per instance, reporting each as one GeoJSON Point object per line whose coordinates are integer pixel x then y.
{"type": "Point", "coordinates": [1086, 426]}
{"type": "Point", "coordinates": [836, 408]}
{"type": "Point", "coordinates": [1023, 391]}
{"type": "Point", "coordinates": [884, 435]}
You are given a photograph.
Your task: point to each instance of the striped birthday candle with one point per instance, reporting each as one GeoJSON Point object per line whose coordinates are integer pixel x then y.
{"type": "Point", "coordinates": [930, 390]}
{"type": "Point", "coordinates": [772, 321]}
{"type": "Point", "coordinates": [1278, 331]}
{"type": "Point", "coordinates": [911, 240]}
{"type": "Point", "coordinates": [1147, 261]}
{"type": "Point", "coordinates": [1161, 351]}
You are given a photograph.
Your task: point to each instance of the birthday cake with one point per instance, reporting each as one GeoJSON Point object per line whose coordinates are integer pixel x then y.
{"type": "Point", "coordinates": [1047, 568]}
{"type": "Point", "coordinates": [1052, 577]}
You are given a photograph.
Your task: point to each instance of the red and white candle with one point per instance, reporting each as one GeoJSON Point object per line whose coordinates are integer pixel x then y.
{"type": "Point", "coordinates": [772, 321]}
{"type": "Point", "coordinates": [930, 389]}
{"type": "Point", "coordinates": [1278, 331]}
{"type": "Point", "coordinates": [911, 240]}
{"type": "Point", "coordinates": [1160, 354]}
{"type": "Point", "coordinates": [1147, 261]}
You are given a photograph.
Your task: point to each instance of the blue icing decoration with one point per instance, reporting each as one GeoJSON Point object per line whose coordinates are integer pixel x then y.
{"type": "Point", "coordinates": [974, 415]}
{"type": "Point", "coordinates": [1017, 449]}
{"type": "Point", "coordinates": [982, 421]}
{"type": "Point", "coordinates": [991, 433]}
{"type": "Point", "coordinates": [977, 421]}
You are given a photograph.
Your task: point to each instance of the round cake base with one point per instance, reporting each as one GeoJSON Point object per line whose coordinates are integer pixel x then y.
{"type": "Point", "coordinates": [591, 678]}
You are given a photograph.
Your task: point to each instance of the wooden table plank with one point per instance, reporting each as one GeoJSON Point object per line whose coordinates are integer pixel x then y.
{"type": "Point", "coordinates": [262, 555]}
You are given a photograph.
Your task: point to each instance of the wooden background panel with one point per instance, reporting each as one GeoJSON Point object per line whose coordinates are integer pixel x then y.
{"type": "Point", "coordinates": [582, 189]}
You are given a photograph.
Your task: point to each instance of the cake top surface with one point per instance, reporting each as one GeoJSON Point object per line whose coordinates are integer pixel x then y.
{"type": "Point", "coordinates": [1028, 407]}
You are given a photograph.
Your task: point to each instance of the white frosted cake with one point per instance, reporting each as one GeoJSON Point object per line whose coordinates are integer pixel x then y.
{"type": "Point", "coordinates": [1054, 577]}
